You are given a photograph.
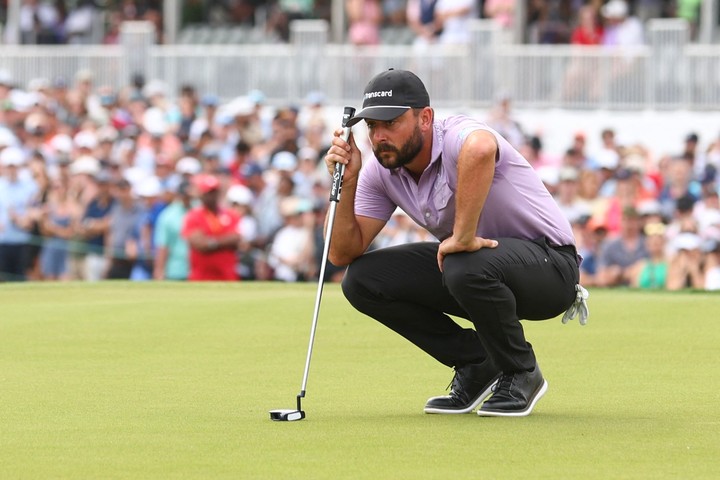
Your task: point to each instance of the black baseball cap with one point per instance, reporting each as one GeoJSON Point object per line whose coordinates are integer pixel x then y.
{"type": "Point", "coordinates": [390, 94]}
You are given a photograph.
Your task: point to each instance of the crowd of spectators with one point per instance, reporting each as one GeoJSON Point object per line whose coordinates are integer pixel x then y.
{"type": "Point", "coordinates": [144, 183]}
{"type": "Point", "coordinates": [83, 22]}
{"type": "Point", "coordinates": [586, 22]}
{"type": "Point", "coordinates": [98, 184]}
{"type": "Point", "coordinates": [642, 218]}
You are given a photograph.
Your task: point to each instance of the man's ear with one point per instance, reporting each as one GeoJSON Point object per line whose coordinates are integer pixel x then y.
{"type": "Point", "coordinates": [426, 117]}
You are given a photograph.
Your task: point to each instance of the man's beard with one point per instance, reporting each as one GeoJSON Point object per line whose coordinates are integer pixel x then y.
{"type": "Point", "coordinates": [404, 155]}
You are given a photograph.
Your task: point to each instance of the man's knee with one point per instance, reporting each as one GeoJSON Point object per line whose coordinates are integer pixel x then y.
{"type": "Point", "coordinates": [352, 283]}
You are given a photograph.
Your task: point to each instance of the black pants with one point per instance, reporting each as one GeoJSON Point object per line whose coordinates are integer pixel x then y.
{"type": "Point", "coordinates": [494, 288]}
{"type": "Point", "coordinates": [13, 261]}
{"type": "Point", "coordinates": [120, 269]}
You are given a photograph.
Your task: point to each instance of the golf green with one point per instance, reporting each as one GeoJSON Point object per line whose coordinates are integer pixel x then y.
{"type": "Point", "coordinates": [171, 381]}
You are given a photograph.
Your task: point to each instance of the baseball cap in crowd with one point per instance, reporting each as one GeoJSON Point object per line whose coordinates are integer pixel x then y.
{"type": "Point", "coordinates": [154, 122]}
{"type": "Point", "coordinates": [308, 153]}
{"type": "Point", "coordinates": [284, 160]}
{"type": "Point", "coordinates": [649, 207]}
{"type": "Point", "coordinates": [148, 187]}
{"type": "Point", "coordinates": [188, 165]}
{"type": "Point", "coordinates": [22, 101]}
{"type": "Point", "coordinates": [85, 164]}
{"type": "Point", "coordinates": [6, 79]}
{"type": "Point", "coordinates": [569, 174]}
{"type": "Point", "coordinates": [615, 9]}
{"type": "Point", "coordinates": [239, 107]}
{"type": "Point", "coordinates": [240, 195]}
{"type": "Point", "coordinates": [210, 100]}
{"type": "Point", "coordinates": [155, 88]}
{"type": "Point", "coordinates": [608, 159]}
{"type": "Point", "coordinates": [549, 175]}
{"type": "Point", "coordinates": [250, 169]}
{"type": "Point", "coordinates": [12, 157]}
{"type": "Point", "coordinates": [59, 83]}
{"type": "Point", "coordinates": [61, 143]}
{"type": "Point", "coordinates": [686, 241]}
{"type": "Point", "coordinates": [107, 134]}
{"type": "Point", "coordinates": [210, 152]}
{"type": "Point", "coordinates": [206, 183]}
{"type": "Point", "coordinates": [108, 99]}
{"type": "Point", "coordinates": [135, 174]}
{"type": "Point", "coordinates": [256, 96]}
{"type": "Point", "coordinates": [38, 84]}
{"type": "Point", "coordinates": [634, 162]}
{"type": "Point", "coordinates": [84, 75]}
{"type": "Point", "coordinates": [291, 206]}
{"type": "Point", "coordinates": [316, 98]}
{"type": "Point", "coordinates": [7, 138]}
{"type": "Point", "coordinates": [390, 94]}
{"type": "Point", "coordinates": [709, 223]}
{"type": "Point", "coordinates": [596, 224]}
{"type": "Point", "coordinates": [85, 139]}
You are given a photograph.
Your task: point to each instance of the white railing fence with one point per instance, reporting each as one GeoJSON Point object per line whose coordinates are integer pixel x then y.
{"type": "Point", "coordinates": [668, 73]}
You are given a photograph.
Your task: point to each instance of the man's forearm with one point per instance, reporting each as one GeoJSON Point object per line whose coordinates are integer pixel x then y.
{"type": "Point", "coordinates": [161, 255]}
{"type": "Point", "coordinates": [476, 167]}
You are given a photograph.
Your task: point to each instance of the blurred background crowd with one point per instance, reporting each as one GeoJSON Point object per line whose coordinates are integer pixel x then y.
{"type": "Point", "coordinates": [144, 183]}
{"type": "Point", "coordinates": [592, 22]}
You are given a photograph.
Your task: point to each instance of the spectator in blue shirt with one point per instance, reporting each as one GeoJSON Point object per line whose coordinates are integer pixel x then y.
{"type": "Point", "coordinates": [16, 195]}
{"type": "Point", "coordinates": [93, 228]}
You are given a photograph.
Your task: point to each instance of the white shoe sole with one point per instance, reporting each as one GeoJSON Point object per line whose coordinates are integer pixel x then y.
{"type": "Point", "coordinates": [519, 413]}
{"type": "Point", "coordinates": [481, 398]}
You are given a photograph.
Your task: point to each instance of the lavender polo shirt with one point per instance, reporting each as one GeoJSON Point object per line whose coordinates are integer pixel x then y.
{"type": "Point", "coordinates": [518, 205]}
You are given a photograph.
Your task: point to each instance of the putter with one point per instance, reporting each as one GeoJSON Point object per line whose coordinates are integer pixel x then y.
{"type": "Point", "coordinates": [288, 415]}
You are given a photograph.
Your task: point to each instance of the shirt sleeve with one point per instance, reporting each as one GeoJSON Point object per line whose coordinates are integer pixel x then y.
{"type": "Point", "coordinates": [371, 199]}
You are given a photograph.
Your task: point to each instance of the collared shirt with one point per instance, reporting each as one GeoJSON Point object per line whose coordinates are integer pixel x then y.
{"type": "Point", "coordinates": [518, 204]}
{"type": "Point", "coordinates": [218, 264]}
{"type": "Point", "coordinates": [168, 235]}
{"type": "Point", "coordinates": [15, 197]}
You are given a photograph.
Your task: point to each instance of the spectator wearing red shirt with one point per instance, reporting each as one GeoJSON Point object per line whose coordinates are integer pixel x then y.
{"type": "Point", "coordinates": [211, 232]}
{"type": "Point", "coordinates": [589, 30]}
{"type": "Point", "coordinates": [580, 82]}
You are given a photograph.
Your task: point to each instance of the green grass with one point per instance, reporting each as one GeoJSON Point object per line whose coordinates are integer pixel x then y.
{"type": "Point", "coordinates": [171, 381]}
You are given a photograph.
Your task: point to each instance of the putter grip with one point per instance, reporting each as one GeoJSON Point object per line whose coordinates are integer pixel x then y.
{"type": "Point", "coordinates": [336, 188]}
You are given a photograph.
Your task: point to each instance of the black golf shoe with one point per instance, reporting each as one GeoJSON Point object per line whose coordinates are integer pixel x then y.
{"type": "Point", "coordinates": [470, 386]}
{"type": "Point", "coordinates": [515, 394]}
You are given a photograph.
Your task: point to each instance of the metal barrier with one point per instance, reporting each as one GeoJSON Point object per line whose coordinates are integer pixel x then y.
{"type": "Point", "coordinates": [667, 73]}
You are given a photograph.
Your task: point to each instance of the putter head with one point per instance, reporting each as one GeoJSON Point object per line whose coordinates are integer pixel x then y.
{"type": "Point", "coordinates": [286, 415]}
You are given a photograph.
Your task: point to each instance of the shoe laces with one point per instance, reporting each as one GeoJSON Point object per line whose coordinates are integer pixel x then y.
{"type": "Point", "coordinates": [455, 381]}
{"type": "Point", "coordinates": [504, 382]}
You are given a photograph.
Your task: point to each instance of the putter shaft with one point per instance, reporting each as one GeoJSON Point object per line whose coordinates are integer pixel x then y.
{"type": "Point", "coordinates": [334, 199]}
